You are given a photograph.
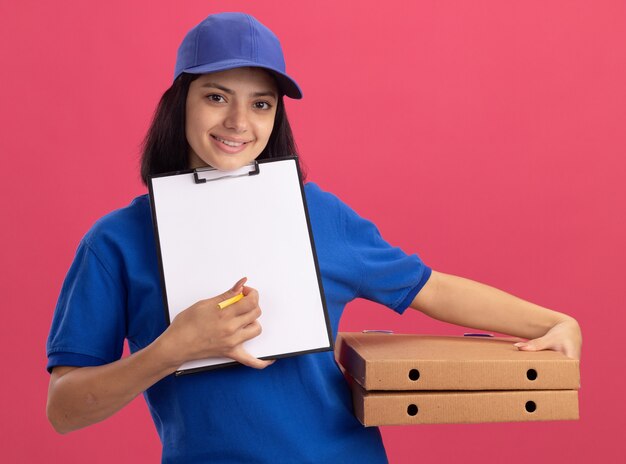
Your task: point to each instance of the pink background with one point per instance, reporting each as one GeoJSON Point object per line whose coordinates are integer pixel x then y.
{"type": "Point", "coordinates": [488, 136]}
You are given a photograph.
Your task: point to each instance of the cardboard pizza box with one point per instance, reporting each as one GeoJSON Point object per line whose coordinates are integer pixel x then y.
{"type": "Point", "coordinates": [414, 407]}
{"type": "Point", "coordinates": [379, 361]}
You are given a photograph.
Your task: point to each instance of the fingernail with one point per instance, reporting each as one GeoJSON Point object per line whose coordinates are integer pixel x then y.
{"type": "Point", "coordinates": [240, 283]}
{"type": "Point", "coordinates": [521, 345]}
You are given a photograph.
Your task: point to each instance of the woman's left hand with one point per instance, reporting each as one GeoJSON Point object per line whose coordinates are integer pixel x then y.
{"type": "Point", "coordinates": [564, 337]}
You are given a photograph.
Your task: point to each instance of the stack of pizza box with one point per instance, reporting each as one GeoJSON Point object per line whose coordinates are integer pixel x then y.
{"type": "Point", "coordinates": [401, 379]}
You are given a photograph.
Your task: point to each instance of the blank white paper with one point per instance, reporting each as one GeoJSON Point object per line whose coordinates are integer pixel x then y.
{"type": "Point", "coordinates": [214, 233]}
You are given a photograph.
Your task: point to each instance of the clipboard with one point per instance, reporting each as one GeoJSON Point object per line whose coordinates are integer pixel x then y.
{"type": "Point", "coordinates": [213, 227]}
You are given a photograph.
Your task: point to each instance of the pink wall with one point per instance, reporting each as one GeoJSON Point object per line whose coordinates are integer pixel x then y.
{"type": "Point", "coordinates": [488, 136]}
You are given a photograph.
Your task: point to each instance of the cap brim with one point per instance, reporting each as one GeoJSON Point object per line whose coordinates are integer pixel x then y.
{"type": "Point", "coordinates": [286, 84]}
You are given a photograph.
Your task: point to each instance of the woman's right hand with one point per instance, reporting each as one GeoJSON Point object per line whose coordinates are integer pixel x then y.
{"type": "Point", "coordinates": [80, 396]}
{"type": "Point", "coordinates": [204, 330]}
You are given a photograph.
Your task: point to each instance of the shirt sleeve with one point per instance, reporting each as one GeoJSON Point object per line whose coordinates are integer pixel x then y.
{"type": "Point", "coordinates": [89, 323]}
{"type": "Point", "coordinates": [387, 274]}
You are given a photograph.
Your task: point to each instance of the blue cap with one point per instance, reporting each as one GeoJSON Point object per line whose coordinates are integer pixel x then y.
{"type": "Point", "coordinates": [233, 40]}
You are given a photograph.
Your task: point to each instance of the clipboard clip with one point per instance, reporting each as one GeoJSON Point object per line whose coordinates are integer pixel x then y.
{"type": "Point", "coordinates": [203, 175]}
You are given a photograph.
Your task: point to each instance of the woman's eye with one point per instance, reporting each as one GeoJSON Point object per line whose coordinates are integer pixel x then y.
{"type": "Point", "coordinates": [215, 98]}
{"type": "Point", "coordinates": [262, 105]}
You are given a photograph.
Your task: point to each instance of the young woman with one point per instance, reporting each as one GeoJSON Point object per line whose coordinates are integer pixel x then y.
{"type": "Point", "coordinates": [225, 109]}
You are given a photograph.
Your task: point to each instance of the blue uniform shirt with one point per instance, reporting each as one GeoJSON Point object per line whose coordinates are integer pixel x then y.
{"type": "Point", "coordinates": [298, 409]}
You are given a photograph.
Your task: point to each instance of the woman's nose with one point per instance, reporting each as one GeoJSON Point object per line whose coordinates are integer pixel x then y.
{"type": "Point", "coordinates": [237, 119]}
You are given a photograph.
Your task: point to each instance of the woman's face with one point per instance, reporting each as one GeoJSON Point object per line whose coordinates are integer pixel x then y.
{"type": "Point", "coordinates": [229, 117]}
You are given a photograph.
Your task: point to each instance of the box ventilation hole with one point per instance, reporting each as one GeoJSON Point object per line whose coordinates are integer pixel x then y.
{"type": "Point", "coordinates": [412, 410]}
{"type": "Point", "coordinates": [531, 406]}
{"type": "Point", "coordinates": [414, 374]}
{"type": "Point", "coordinates": [531, 374]}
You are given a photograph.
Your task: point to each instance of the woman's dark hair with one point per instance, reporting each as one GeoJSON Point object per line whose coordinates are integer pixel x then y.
{"type": "Point", "coordinates": [165, 148]}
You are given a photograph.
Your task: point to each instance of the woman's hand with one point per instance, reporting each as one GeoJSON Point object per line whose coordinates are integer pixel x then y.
{"type": "Point", "coordinates": [204, 330]}
{"type": "Point", "coordinates": [80, 396]}
{"type": "Point", "coordinates": [564, 337]}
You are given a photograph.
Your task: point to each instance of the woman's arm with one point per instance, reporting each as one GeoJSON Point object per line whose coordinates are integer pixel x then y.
{"type": "Point", "coordinates": [81, 396]}
{"type": "Point", "coordinates": [471, 304]}
{"type": "Point", "coordinates": [78, 397]}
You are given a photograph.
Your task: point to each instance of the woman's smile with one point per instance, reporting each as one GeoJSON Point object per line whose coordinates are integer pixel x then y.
{"type": "Point", "coordinates": [229, 145]}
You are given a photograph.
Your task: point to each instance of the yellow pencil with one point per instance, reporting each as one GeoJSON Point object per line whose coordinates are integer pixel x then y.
{"type": "Point", "coordinates": [230, 301]}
